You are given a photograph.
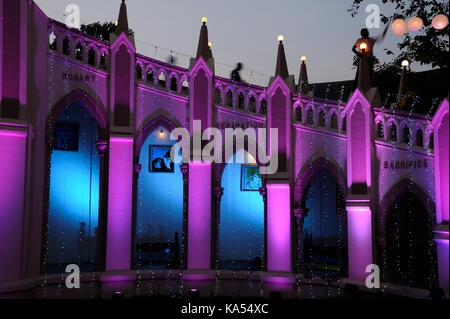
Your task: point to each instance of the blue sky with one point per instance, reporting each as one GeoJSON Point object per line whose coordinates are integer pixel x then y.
{"type": "Point", "coordinates": [245, 31]}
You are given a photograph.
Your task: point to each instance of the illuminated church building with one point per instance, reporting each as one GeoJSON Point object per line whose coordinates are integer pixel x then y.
{"type": "Point", "coordinates": [85, 177]}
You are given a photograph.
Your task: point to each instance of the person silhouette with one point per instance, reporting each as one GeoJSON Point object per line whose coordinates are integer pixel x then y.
{"type": "Point", "coordinates": [235, 77]}
{"type": "Point", "coordinates": [370, 43]}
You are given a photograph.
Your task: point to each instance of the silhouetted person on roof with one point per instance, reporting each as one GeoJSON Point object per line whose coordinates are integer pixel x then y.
{"type": "Point", "coordinates": [235, 77]}
{"type": "Point", "coordinates": [370, 42]}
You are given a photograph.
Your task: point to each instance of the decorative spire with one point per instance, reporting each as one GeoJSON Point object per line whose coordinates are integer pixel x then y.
{"type": "Point", "coordinates": [281, 68]}
{"type": "Point", "coordinates": [203, 49]}
{"type": "Point", "coordinates": [122, 22]}
{"type": "Point", "coordinates": [303, 87]}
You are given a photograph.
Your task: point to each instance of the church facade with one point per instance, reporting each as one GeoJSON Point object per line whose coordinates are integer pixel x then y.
{"type": "Point", "coordinates": [85, 178]}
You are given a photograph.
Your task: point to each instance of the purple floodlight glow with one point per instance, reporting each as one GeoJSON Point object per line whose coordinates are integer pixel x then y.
{"type": "Point", "coordinates": [199, 212]}
{"type": "Point", "coordinates": [12, 175]}
{"type": "Point", "coordinates": [359, 222]}
{"type": "Point", "coordinates": [278, 227]}
{"type": "Point", "coordinates": [120, 195]}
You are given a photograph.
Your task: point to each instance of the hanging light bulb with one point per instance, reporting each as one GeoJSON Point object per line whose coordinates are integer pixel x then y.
{"type": "Point", "coordinates": [415, 24]}
{"type": "Point", "coordinates": [440, 21]}
{"type": "Point", "coordinates": [399, 26]}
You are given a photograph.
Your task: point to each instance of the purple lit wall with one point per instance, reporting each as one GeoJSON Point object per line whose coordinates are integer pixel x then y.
{"type": "Point", "coordinates": [359, 222]}
{"type": "Point", "coordinates": [278, 227]}
{"type": "Point", "coordinates": [442, 253]}
{"type": "Point", "coordinates": [199, 216]}
{"type": "Point", "coordinates": [118, 253]}
{"type": "Point", "coordinates": [12, 173]}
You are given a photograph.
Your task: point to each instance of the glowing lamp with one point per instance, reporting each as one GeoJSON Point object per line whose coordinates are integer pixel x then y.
{"type": "Point", "coordinates": [115, 23]}
{"type": "Point", "coordinates": [303, 58]}
{"type": "Point", "coordinates": [363, 46]}
{"type": "Point", "coordinates": [415, 24]}
{"type": "Point", "coordinates": [399, 26]}
{"type": "Point", "coordinates": [405, 63]}
{"type": "Point", "coordinates": [161, 132]}
{"type": "Point", "coordinates": [440, 21]}
{"type": "Point", "coordinates": [204, 20]}
{"type": "Point", "coordinates": [280, 38]}
{"type": "Point", "coordinates": [209, 44]}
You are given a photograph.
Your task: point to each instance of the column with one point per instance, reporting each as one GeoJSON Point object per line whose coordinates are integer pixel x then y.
{"type": "Point", "coordinates": [278, 228]}
{"type": "Point", "coordinates": [120, 198]}
{"type": "Point", "coordinates": [199, 216]}
{"type": "Point", "coordinates": [12, 175]}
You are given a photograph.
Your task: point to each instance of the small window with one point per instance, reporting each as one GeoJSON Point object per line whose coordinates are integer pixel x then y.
{"type": "Point", "coordinates": [229, 98]}
{"type": "Point", "coordinates": [52, 41]}
{"type": "Point", "coordinates": [393, 132]}
{"type": "Point", "coordinates": [91, 57]}
{"type": "Point", "coordinates": [241, 101]}
{"type": "Point", "coordinates": [419, 138]}
{"type": "Point", "coordinates": [103, 63]}
{"type": "Point", "coordinates": [162, 80]}
{"type": "Point", "coordinates": [150, 77]}
{"type": "Point", "coordinates": [298, 114]}
{"type": "Point", "coordinates": [263, 107]}
{"type": "Point", "coordinates": [431, 141]}
{"type": "Point", "coordinates": [138, 72]}
{"type": "Point", "coordinates": [66, 47]}
{"type": "Point", "coordinates": [310, 116]}
{"type": "Point", "coordinates": [322, 118]}
{"type": "Point", "coordinates": [344, 124]}
{"type": "Point", "coordinates": [380, 129]}
{"type": "Point", "coordinates": [252, 104]}
{"type": "Point", "coordinates": [218, 97]}
{"type": "Point", "coordinates": [173, 84]}
{"type": "Point", "coordinates": [334, 122]}
{"type": "Point", "coordinates": [79, 52]}
{"type": "Point", "coordinates": [406, 135]}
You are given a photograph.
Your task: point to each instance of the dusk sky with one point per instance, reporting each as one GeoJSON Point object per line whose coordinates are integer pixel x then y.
{"type": "Point", "coordinates": [245, 31]}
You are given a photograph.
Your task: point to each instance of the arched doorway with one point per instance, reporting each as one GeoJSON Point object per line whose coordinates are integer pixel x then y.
{"type": "Point", "coordinates": [74, 189]}
{"type": "Point", "coordinates": [241, 222]}
{"type": "Point", "coordinates": [325, 248]}
{"type": "Point", "coordinates": [408, 252]}
{"type": "Point", "coordinates": [159, 204]}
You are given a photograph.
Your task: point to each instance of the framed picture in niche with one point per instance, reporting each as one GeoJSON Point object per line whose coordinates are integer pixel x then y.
{"type": "Point", "coordinates": [250, 177]}
{"type": "Point", "coordinates": [159, 159]}
{"type": "Point", "coordinates": [66, 135]}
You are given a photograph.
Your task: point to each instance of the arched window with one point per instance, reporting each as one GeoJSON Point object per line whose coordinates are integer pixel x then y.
{"type": "Point", "coordinates": [310, 116]}
{"type": "Point", "coordinates": [419, 138]}
{"type": "Point", "coordinates": [91, 57]}
{"type": "Point", "coordinates": [185, 86]}
{"type": "Point", "coordinates": [229, 101]}
{"type": "Point", "coordinates": [66, 46]}
{"type": "Point", "coordinates": [393, 132]}
{"type": "Point", "coordinates": [162, 80]}
{"type": "Point", "coordinates": [138, 72]}
{"type": "Point", "coordinates": [252, 104]}
{"type": "Point", "coordinates": [406, 135]}
{"type": "Point", "coordinates": [103, 61]}
{"type": "Point", "coordinates": [322, 118]}
{"type": "Point", "coordinates": [74, 192]}
{"type": "Point", "coordinates": [218, 96]}
{"type": "Point", "coordinates": [150, 78]}
{"type": "Point", "coordinates": [334, 122]}
{"type": "Point", "coordinates": [52, 41]}
{"type": "Point", "coordinates": [431, 141]}
{"type": "Point", "coordinates": [173, 84]}
{"type": "Point", "coordinates": [325, 228]}
{"type": "Point", "coordinates": [79, 52]}
{"type": "Point", "coordinates": [298, 114]}
{"type": "Point", "coordinates": [344, 124]}
{"type": "Point", "coordinates": [241, 101]}
{"type": "Point", "coordinates": [241, 232]}
{"type": "Point", "coordinates": [380, 129]}
{"type": "Point", "coordinates": [159, 218]}
{"type": "Point", "coordinates": [263, 107]}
